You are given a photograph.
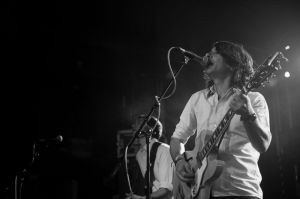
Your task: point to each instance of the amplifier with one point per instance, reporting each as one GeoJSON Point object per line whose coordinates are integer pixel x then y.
{"type": "Point", "coordinates": [123, 138]}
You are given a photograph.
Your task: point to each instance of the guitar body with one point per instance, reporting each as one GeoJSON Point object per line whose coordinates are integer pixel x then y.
{"type": "Point", "coordinates": [205, 176]}
{"type": "Point", "coordinates": [206, 171]}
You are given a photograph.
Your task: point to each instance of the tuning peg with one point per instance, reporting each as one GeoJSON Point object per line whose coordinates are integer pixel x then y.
{"type": "Point", "coordinates": [278, 66]}
{"type": "Point", "coordinates": [283, 57]}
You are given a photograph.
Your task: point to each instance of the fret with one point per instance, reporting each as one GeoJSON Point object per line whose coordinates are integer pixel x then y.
{"type": "Point", "coordinates": [202, 154]}
{"type": "Point", "coordinates": [220, 127]}
{"type": "Point", "coordinates": [209, 144]}
{"type": "Point", "coordinates": [214, 136]}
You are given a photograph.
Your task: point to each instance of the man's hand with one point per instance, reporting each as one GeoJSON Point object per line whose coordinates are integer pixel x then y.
{"type": "Point", "coordinates": [184, 171]}
{"type": "Point", "coordinates": [241, 104]}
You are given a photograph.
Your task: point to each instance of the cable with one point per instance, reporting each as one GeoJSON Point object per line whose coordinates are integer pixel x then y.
{"type": "Point", "coordinates": [16, 187]}
{"type": "Point", "coordinates": [172, 74]}
{"type": "Point", "coordinates": [126, 170]}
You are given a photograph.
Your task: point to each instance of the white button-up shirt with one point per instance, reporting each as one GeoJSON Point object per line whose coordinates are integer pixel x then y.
{"type": "Point", "coordinates": [202, 114]}
{"type": "Point", "coordinates": [163, 165]}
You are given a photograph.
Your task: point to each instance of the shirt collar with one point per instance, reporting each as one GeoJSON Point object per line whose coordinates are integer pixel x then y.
{"type": "Point", "coordinates": [212, 91]}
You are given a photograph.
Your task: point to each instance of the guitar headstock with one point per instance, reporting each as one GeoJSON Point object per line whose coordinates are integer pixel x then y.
{"type": "Point", "coordinates": [266, 71]}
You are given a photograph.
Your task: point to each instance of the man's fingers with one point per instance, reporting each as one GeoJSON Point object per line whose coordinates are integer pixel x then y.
{"type": "Point", "coordinates": [185, 177]}
{"type": "Point", "coordinates": [189, 175]}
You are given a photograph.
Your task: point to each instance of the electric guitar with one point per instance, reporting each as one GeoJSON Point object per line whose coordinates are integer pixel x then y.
{"type": "Point", "coordinates": [204, 162]}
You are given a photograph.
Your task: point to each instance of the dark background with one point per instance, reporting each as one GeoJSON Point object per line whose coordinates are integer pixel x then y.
{"type": "Point", "coordinates": [85, 69]}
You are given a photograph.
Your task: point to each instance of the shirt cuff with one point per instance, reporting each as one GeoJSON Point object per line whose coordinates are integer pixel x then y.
{"type": "Point", "coordinates": [166, 185]}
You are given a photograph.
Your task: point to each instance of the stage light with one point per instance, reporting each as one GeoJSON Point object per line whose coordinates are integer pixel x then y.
{"type": "Point", "coordinates": [287, 47]}
{"type": "Point", "coordinates": [287, 74]}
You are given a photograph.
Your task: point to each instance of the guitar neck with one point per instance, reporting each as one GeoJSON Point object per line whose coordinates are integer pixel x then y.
{"type": "Point", "coordinates": [220, 131]}
{"type": "Point", "coordinates": [216, 136]}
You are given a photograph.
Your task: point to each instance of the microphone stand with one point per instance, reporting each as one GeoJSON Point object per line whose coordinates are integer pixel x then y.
{"type": "Point", "coordinates": [20, 177]}
{"type": "Point", "coordinates": [147, 187]}
{"type": "Point", "coordinates": [155, 106]}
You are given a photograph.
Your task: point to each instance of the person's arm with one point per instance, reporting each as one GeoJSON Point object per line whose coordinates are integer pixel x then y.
{"type": "Point", "coordinates": [185, 128]}
{"type": "Point", "coordinates": [255, 119]}
{"type": "Point", "coordinates": [163, 172]}
{"type": "Point", "coordinates": [259, 137]}
{"type": "Point", "coordinates": [182, 167]}
{"type": "Point", "coordinates": [176, 148]}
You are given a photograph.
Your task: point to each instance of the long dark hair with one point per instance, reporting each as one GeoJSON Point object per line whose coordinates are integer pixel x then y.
{"type": "Point", "coordinates": [240, 61]}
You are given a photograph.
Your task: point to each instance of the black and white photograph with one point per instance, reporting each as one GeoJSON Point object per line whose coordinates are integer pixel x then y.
{"type": "Point", "coordinates": [137, 99]}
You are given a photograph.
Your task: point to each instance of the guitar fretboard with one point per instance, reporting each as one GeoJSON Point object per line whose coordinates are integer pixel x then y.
{"type": "Point", "coordinates": [218, 133]}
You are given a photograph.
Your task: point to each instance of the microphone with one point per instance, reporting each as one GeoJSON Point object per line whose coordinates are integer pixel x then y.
{"type": "Point", "coordinates": [190, 55]}
{"type": "Point", "coordinates": [47, 142]}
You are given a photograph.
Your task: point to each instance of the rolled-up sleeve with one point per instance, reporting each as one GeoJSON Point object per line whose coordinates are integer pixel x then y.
{"type": "Point", "coordinates": [188, 123]}
{"type": "Point", "coordinates": [163, 169]}
{"type": "Point", "coordinates": [261, 109]}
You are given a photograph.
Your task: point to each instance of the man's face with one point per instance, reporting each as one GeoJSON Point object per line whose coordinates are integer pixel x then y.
{"type": "Point", "coordinates": [216, 67]}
